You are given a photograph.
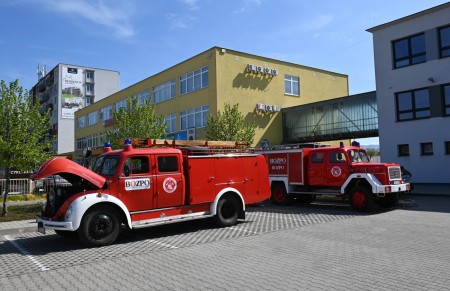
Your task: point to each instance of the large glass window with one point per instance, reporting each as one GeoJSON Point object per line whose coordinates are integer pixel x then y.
{"type": "Point", "coordinates": [121, 104]}
{"type": "Point", "coordinates": [81, 121]}
{"type": "Point", "coordinates": [413, 105]}
{"type": "Point", "coordinates": [106, 113]}
{"type": "Point", "coordinates": [142, 97]}
{"type": "Point", "coordinates": [291, 85]}
{"type": "Point", "coordinates": [446, 91]}
{"type": "Point", "coordinates": [170, 120]}
{"type": "Point", "coordinates": [194, 117]}
{"type": "Point", "coordinates": [92, 118]}
{"type": "Point", "coordinates": [164, 92]}
{"type": "Point", "coordinates": [194, 80]}
{"type": "Point", "coordinates": [444, 41]}
{"type": "Point", "coordinates": [409, 51]}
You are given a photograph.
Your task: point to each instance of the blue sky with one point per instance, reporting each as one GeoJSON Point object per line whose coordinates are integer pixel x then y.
{"type": "Point", "coordinates": [143, 37]}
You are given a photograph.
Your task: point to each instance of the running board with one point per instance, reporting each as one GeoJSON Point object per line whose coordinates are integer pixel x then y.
{"type": "Point", "coordinates": [169, 219]}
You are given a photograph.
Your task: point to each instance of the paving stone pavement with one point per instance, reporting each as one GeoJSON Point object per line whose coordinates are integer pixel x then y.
{"type": "Point", "coordinates": [400, 249]}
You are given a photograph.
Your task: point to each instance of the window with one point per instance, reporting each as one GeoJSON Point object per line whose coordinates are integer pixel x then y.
{"type": "Point", "coordinates": [291, 85]}
{"type": "Point", "coordinates": [413, 105]}
{"type": "Point", "coordinates": [136, 165]}
{"type": "Point", "coordinates": [426, 148]}
{"type": "Point", "coordinates": [142, 97]}
{"type": "Point", "coordinates": [403, 150]}
{"type": "Point", "coordinates": [444, 42]}
{"type": "Point", "coordinates": [121, 104]}
{"type": "Point", "coordinates": [168, 164]}
{"type": "Point", "coordinates": [171, 120]}
{"type": "Point", "coordinates": [92, 118]}
{"type": "Point", "coordinates": [81, 121]}
{"type": "Point", "coordinates": [446, 97]}
{"type": "Point", "coordinates": [106, 113]}
{"type": "Point", "coordinates": [90, 75]}
{"type": "Point", "coordinates": [89, 89]}
{"type": "Point", "coordinates": [337, 157]}
{"type": "Point", "coordinates": [164, 92]}
{"type": "Point", "coordinates": [194, 80]}
{"type": "Point", "coordinates": [194, 117]}
{"type": "Point", "coordinates": [409, 51]}
{"type": "Point", "coordinates": [317, 158]}
{"type": "Point", "coordinates": [447, 147]}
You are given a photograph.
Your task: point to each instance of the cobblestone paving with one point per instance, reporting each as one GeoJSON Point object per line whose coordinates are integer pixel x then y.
{"type": "Point", "coordinates": [31, 252]}
{"type": "Point", "coordinates": [324, 247]}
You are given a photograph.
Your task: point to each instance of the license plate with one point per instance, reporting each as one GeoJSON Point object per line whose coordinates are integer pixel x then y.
{"type": "Point", "coordinates": [41, 228]}
{"type": "Point", "coordinates": [396, 182]}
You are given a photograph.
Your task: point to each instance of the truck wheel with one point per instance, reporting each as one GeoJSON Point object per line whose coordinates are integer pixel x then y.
{"type": "Point", "coordinates": [279, 195]}
{"type": "Point", "coordinates": [361, 199]}
{"type": "Point", "coordinates": [306, 198]}
{"type": "Point", "coordinates": [389, 200]}
{"type": "Point", "coordinates": [227, 211]}
{"type": "Point", "coordinates": [99, 227]}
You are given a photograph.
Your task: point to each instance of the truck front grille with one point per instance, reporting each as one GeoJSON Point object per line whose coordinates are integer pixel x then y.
{"type": "Point", "coordinates": [395, 173]}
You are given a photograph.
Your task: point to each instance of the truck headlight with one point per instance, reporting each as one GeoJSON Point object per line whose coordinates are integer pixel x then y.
{"type": "Point", "coordinates": [69, 212]}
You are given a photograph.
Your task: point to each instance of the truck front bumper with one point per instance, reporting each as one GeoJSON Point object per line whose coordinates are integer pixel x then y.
{"type": "Point", "coordinates": [382, 190]}
{"type": "Point", "coordinates": [44, 224]}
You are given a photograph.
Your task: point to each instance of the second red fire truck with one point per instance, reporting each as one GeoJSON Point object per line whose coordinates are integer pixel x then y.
{"type": "Point", "coordinates": [310, 171]}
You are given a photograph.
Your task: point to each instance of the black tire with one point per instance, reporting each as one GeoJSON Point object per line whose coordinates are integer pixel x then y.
{"type": "Point", "coordinates": [306, 198]}
{"type": "Point", "coordinates": [66, 233]}
{"type": "Point", "coordinates": [361, 199]}
{"type": "Point", "coordinates": [99, 227]}
{"type": "Point", "coordinates": [227, 211]}
{"type": "Point", "coordinates": [279, 195]}
{"type": "Point", "coordinates": [390, 200]}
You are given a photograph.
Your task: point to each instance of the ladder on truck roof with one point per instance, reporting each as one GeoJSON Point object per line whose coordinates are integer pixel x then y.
{"type": "Point", "coordinates": [148, 142]}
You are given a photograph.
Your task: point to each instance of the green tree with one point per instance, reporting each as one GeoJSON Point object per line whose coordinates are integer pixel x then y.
{"type": "Point", "coordinates": [229, 126]}
{"type": "Point", "coordinates": [136, 121]}
{"type": "Point", "coordinates": [24, 135]}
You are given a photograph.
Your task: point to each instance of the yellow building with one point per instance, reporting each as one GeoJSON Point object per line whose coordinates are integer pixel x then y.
{"type": "Point", "coordinates": [187, 92]}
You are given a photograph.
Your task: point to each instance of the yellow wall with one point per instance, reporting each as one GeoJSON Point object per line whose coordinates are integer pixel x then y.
{"type": "Point", "coordinates": [230, 82]}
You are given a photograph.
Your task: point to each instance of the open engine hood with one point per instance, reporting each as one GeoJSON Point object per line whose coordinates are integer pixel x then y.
{"type": "Point", "coordinates": [70, 171]}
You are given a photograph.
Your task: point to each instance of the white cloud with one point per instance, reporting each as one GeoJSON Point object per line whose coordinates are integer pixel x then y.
{"type": "Point", "coordinates": [192, 4]}
{"type": "Point", "coordinates": [180, 22]}
{"type": "Point", "coordinates": [114, 15]}
{"type": "Point", "coordinates": [248, 4]}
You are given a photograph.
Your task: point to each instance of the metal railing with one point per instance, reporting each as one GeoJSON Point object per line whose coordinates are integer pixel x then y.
{"type": "Point", "coordinates": [17, 186]}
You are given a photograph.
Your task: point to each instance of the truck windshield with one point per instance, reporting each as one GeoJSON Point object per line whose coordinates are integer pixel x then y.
{"type": "Point", "coordinates": [106, 165]}
{"type": "Point", "coordinates": [358, 156]}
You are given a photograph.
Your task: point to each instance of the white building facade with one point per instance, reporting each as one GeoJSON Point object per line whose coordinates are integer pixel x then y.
{"type": "Point", "coordinates": [66, 89]}
{"type": "Point", "coordinates": [412, 68]}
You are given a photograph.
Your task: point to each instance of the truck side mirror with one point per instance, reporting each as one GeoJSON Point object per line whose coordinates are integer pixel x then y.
{"type": "Point", "coordinates": [126, 171]}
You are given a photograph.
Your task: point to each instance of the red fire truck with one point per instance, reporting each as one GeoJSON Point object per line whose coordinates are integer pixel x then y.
{"type": "Point", "coordinates": [142, 187]}
{"type": "Point", "coordinates": [306, 170]}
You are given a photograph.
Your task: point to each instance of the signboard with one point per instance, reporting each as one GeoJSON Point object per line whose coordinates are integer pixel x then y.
{"type": "Point", "coordinates": [72, 97]}
{"type": "Point", "coordinates": [191, 134]}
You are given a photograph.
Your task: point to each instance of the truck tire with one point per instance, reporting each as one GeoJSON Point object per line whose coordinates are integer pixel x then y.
{"type": "Point", "coordinates": [99, 227]}
{"type": "Point", "coordinates": [389, 200]}
{"type": "Point", "coordinates": [361, 199]}
{"type": "Point", "coordinates": [279, 195]}
{"type": "Point", "coordinates": [227, 211]}
{"type": "Point", "coordinates": [306, 198]}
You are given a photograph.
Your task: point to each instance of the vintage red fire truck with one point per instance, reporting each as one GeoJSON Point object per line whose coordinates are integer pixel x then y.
{"type": "Point", "coordinates": [142, 187]}
{"type": "Point", "coordinates": [304, 171]}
